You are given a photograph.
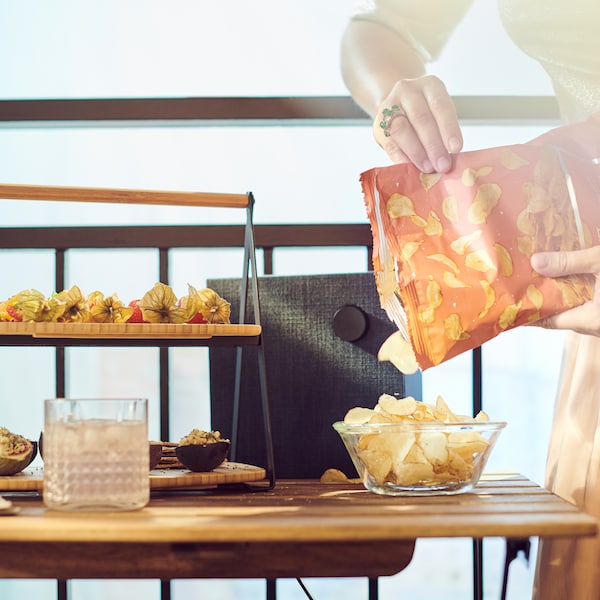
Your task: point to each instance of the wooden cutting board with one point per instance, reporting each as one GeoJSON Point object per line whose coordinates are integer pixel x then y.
{"type": "Point", "coordinates": [32, 479]}
{"type": "Point", "coordinates": [128, 330]}
{"type": "Point", "coordinates": [228, 472]}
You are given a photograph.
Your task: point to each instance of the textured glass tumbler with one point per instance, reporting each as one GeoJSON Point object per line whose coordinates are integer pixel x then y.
{"type": "Point", "coordinates": [96, 454]}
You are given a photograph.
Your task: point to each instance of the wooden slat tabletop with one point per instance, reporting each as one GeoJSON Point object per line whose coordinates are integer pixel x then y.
{"type": "Point", "coordinates": [504, 505]}
{"type": "Point", "coordinates": [283, 532]}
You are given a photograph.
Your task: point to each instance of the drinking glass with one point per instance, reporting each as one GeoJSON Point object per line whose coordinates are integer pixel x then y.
{"type": "Point", "coordinates": [96, 453]}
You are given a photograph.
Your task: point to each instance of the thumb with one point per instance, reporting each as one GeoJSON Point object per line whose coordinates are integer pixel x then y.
{"type": "Point", "coordinates": [548, 263]}
{"type": "Point", "coordinates": [558, 264]}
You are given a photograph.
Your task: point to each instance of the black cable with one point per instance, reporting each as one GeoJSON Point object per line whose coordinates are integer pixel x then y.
{"type": "Point", "coordinates": [304, 589]}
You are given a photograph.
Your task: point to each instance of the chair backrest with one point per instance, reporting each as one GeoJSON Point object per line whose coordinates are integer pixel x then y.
{"type": "Point", "coordinates": [320, 361]}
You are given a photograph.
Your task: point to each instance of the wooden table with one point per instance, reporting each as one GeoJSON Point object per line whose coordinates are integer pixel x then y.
{"type": "Point", "coordinates": [297, 529]}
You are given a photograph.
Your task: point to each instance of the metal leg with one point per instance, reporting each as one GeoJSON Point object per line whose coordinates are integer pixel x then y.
{"type": "Point", "coordinates": [513, 547]}
{"type": "Point", "coordinates": [250, 276]}
{"type": "Point", "coordinates": [165, 590]}
{"type": "Point", "coordinates": [271, 589]}
{"type": "Point", "coordinates": [304, 588]}
{"type": "Point", "coordinates": [478, 569]}
{"type": "Point", "coordinates": [262, 374]}
{"type": "Point", "coordinates": [373, 588]}
{"type": "Point", "coordinates": [62, 590]}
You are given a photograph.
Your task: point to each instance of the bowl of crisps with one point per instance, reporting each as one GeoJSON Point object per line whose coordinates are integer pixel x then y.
{"type": "Point", "coordinates": [404, 447]}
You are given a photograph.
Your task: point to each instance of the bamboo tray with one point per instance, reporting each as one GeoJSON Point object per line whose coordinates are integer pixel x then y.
{"type": "Point", "coordinates": [32, 478]}
{"type": "Point", "coordinates": [128, 330]}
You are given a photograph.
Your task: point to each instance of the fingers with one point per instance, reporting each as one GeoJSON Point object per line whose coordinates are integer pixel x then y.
{"type": "Point", "coordinates": [399, 141]}
{"type": "Point", "coordinates": [581, 319]}
{"type": "Point", "coordinates": [558, 264]}
{"type": "Point", "coordinates": [423, 129]}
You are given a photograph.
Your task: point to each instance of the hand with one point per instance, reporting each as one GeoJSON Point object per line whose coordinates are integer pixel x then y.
{"type": "Point", "coordinates": [582, 319]}
{"type": "Point", "coordinates": [422, 127]}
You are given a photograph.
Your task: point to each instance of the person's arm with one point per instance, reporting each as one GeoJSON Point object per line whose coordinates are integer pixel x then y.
{"type": "Point", "coordinates": [414, 117]}
{"type": "Point", "coordinates": [373, 59]}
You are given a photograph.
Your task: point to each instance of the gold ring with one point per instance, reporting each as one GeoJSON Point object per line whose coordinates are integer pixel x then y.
{"type": "Point", "coordinates": [388, 116]}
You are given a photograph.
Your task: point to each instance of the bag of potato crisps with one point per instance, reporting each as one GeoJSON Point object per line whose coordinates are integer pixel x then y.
{"type": "Point", "coordinates": [451, 252]}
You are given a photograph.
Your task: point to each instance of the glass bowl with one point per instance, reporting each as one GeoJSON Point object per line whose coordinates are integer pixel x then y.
{"type": "Point", "coordinates": [420, 458]}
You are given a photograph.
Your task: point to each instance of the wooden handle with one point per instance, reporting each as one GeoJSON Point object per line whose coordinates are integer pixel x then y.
{"type": "Point", "coordinates": [120, 196]}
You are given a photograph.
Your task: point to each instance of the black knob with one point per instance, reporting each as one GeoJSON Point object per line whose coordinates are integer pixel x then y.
{"type": "Point", "coordinates": [350, 323]}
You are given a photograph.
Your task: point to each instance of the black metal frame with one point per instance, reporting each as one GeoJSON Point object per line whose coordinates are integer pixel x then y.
{"type": "Point", "coordinates": [237, 110]}
{"type": "Point", "coordinates": [250, 276]}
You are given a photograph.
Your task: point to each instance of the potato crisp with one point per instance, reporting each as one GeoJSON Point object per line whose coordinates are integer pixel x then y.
{"type": "Point", "coordinates": [406, 447]}
{"type": "Point", "coordinates": [458, 245]}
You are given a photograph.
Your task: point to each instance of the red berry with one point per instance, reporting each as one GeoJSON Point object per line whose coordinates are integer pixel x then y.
{"type": "Point", "coordinates": [14, 313]}
{"type": "Point", "coordinates": [137, 316]}
{"type": "Point", "coordinates": [197, 318]}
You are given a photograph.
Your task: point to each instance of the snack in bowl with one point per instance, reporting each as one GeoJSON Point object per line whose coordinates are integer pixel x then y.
{"type": "Point", "coordinates": [404, 447]}
{"type": "Point", "coordinates": [16, 452]}
{"type": "Point", "coordinates": [202, 450]}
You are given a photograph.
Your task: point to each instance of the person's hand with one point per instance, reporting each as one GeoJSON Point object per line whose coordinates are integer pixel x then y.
{"type": "Point", "coordinates": [417, 122]}
{"type": "Point", "coordinates": [585, 318]}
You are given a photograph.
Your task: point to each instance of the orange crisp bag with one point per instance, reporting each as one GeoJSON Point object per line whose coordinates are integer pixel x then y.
{"type": "Point", "coordinates": [451, 252]}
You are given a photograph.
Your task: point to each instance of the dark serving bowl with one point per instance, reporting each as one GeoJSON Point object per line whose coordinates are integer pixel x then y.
{"type": "Point", "coordinates": [203, 457]}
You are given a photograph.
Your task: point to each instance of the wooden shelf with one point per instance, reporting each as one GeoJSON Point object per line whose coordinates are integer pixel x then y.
{"type": "Point", "coordinates": [128, 330]}
{"type": "Point", "coordinates": [127, 334]}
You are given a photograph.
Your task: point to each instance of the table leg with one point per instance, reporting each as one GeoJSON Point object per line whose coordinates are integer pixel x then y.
{"type": "Point", "coordinates": [165, 590]}
{"type": "Point", "coordinates": [373, 588]}
{"type": "Point", "coordinates": [477, 569]}
{"type": "Point", "coordinates": [62, 590]}
{"type": "Point", "coordinates": [271, 589]}
{"type": "Point", "coordinates": [513, 547]}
